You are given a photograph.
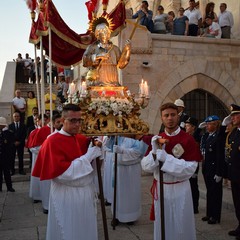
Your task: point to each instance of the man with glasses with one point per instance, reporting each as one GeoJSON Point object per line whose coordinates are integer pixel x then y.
{"type": "Point", "coordinates": [65, 160]}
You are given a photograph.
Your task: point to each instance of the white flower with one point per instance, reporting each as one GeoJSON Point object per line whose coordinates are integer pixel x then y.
{"type": "Point", "coordinates": [116, 106]}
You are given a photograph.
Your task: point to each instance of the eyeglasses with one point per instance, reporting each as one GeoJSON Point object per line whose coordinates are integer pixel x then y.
{"type": "Point", "coordinates": [74, 120]}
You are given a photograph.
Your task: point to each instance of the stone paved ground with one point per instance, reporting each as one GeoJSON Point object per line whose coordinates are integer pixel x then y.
{"type": "Point", "coordinates": [23, 220]}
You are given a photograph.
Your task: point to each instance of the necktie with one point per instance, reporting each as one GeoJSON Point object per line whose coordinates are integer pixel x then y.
{"type": "Point", "coordinates": [17, 126]}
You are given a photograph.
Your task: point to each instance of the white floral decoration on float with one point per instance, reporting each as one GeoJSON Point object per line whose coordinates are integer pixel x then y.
{"type": "Point", "coordinates": [114, 105]}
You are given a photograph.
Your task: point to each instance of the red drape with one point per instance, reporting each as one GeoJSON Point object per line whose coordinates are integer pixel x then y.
{"type": "Point", "coordinates": [67, 46]}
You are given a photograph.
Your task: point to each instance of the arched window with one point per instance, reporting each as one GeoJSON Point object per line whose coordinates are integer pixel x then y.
{"type": "Point", "coordinates": [200, 104]}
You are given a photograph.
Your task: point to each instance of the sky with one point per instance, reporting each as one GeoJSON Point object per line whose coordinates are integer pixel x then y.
{"type": "Point", "coordinates": [15, 23]}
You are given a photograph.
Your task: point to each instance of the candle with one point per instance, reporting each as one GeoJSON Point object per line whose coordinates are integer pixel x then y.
{"type": "Point", "coordinates": [146, 89]}
{"type": "Point", "coordinates": [83, 87]}
{"type": "Point", "coordinates": [72, 88]}
{"type": "Point", "coordinates": [141, 88]}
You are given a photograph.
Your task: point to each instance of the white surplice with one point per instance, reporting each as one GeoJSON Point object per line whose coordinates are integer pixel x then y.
{"type": "Point", "coordinates": [72, 204]}
{"type": "Point", "coordinates": [128, 207]}
{"type": "Point", "coordinates": [107, 176]}
{"type": "Point", "coordinates": [34, 190]}
{"type": "Point", "coordinates": [178, 209]}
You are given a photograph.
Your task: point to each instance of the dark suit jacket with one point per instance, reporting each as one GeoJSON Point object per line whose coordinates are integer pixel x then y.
{"type": "Point", "coordinates": [233, 160]}
{"type": "Point", "coordinates": [30, 122]}
{"type": "Point", "coordinates": [20, 134]}
{"type": "Point", "coordinates": [213, 163]}
{"type": "Point", "coordinates": [6, 146]}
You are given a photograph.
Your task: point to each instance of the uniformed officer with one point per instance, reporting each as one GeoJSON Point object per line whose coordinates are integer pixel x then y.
{"type": "Point", "coordinates": [191, 127]}
{"type": "Point", "coordinates": [6, 145]}
{"type": "Point", "coordinates": [212, 144]}
{"type": "Point", "coordinates": [233, 159]}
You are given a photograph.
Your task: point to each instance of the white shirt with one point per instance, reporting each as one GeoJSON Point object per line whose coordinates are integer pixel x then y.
{"type": "Point", "coordinates": [193, 16]}
{"type": "Point", "coordinates": [225, 19]}
{"type": "Point", "coordinates": [215, 27]}
{"type": "Point", "coordinates": [19, 102]}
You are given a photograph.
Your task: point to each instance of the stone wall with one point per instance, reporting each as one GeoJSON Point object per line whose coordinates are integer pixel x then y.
{"type": "Point", "coordinates": [178, 65]}
{"type": "Point", "coordinates": [233, 6]}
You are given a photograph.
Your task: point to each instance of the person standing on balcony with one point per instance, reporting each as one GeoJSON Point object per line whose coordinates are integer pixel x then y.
{"type": "Point", "coordinates": [225, 19]}
{"type": "Point", "coordinates": [213, 30]}
{"type": "Point", "coordinates": [145, 16]}
{"type": "Point", "coordinates": [180, 23]}
{"type": "Point", "coordinates": [160, 21]}
{"type": "Point", "coordinates": [195, 19]}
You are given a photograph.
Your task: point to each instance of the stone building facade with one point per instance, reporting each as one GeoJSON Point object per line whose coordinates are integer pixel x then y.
{"type": "Point", "coordinates": [204, 72]}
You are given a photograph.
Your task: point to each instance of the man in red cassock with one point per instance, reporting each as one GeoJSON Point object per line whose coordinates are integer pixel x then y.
{"type": "Point", "coordinates": [34, 142]}
{"type": "Point", "coordinates": [63, 159]}
{"type": "Point", "coordinates": [179, 158]}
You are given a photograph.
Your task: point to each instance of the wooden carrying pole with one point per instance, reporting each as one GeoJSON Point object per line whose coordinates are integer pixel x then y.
{"type": "Point", "coordinates": [161, 202]}
{"type": "Point", "coordinates": [162, 141]}
{"type": "Point", "coordinates": [114, 221]}
{"type": "Point", "coordinates": [101, 196]}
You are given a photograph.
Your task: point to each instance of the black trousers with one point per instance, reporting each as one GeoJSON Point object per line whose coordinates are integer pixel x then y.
{"type": "Point", "coordinates": [5, 171]}
{"type": "Point", "coordinates": [235, 185]}
{"type": "Point", "coordinates": [20, 151]}
{"type": "Point", "coordinates": [214, 197]}
{"type": "Point", "coordinates": [193, 30]}
{"type": "Point", "coordinates": [195, 193]}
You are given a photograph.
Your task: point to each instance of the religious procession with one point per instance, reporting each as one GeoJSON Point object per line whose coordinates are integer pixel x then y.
{"type": "Point", "coordinates": [92, 139]}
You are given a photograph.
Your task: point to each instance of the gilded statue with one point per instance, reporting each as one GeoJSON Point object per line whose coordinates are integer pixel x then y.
{"type": "Point", "coordinates": [103, 58]}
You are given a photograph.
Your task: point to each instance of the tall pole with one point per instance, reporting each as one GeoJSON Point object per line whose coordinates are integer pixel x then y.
{"type": "Point", "coordinates": [37, 79]}
{"type": "Point", "coordinates": [114, 221]}
{"type": "Point", "coordinates": [50, 74]}
{"type": "Point", "coordinates": [42, 81]}
{"type": "Point", "coordinates": [101, 195]}
{"type": "Point", "coordinates": [162, 143]}
{"type": "Point", "coordinates": [162, 215]}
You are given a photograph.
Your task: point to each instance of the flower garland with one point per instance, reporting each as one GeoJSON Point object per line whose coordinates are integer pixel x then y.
{"type": "Point", "coordinates": [116, 106]}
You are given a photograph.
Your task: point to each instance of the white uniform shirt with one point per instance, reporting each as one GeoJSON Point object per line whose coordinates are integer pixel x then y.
{"type": "Point", "coordinates": [193, 16]}
{"type": "Point", "coordinates": [225, 19]}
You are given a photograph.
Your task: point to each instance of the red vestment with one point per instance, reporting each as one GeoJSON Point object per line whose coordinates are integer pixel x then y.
{"type": "Point", "coordinates": [190, 146]}
{"type": "Point", "coordinates": [31, 137]}
{"type": "Point", "coordinates": [57, 153]}
{"type": "Point", "coordinates": [191, 153]}
{"type": "Point", "coordinates": [41, 136]}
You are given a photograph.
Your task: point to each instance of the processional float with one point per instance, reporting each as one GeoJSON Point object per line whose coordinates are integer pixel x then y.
{"type": "Point", "coordinates": [108, 108]}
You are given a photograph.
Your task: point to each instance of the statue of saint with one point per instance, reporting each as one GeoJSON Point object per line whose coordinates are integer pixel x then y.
{"type": "Point", "coordinates": [102, 57]}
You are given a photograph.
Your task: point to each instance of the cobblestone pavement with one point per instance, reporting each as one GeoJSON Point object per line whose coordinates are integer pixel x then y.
{"type": "Point", "coordinates": [23, 220]}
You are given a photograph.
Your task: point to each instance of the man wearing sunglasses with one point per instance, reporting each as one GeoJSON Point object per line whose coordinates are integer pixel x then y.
{"type": "Point", "coordinates": [65, 159]}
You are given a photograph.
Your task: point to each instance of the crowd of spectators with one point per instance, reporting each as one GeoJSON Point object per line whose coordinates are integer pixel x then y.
{"type": "Point", "coordinates": [188, 22]}
{"type": "Point", "coordinates": [26, 71]}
